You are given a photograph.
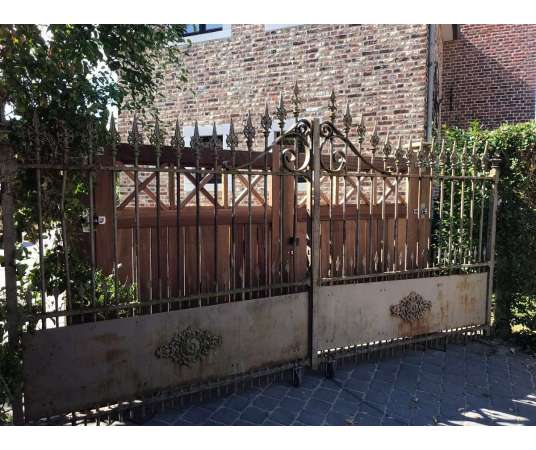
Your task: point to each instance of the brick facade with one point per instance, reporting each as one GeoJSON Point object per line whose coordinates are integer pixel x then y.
{"type": "Point", "coordinates": [490, 75]}
{"type": "Point", "coordinates": [379, 69]}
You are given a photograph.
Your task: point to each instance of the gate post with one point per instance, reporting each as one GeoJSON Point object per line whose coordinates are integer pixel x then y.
{"type": "Point", "coordinates": [315, 242]}
{"type": "Point", "coordinates": [7, 176]}
{"type": "Point", "coordinates": [495, 173]}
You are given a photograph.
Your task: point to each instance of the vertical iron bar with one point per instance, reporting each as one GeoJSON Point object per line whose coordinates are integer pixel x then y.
{"type": "Point", "coordinates": [431, 162]}
{"type": "Point", "coordinates": [7, 177]}
{"type": "Point", "coordinates": [281, 114]}
{"type": "Point", "coordinates": [157, 142]}
{"type": "Point", "coordinates": [63, 221]}
{"type": "Point", "coordinates": [442, 160]}
{"type": "Point", "coordinates": [462, 205]}
{"type": "Point", "coordinates": [495, 173]}
{"type": "Point", "coordinates": [266, 124]}
{"type": "Point", "coordinates": [91, 153]}
{"type": "Point", "coordinates": [217, 173]}
{"type": "Point", "coordinates": [249, 132]}
{"type": "Point", "coordinates": [451, 209]}
{"type": "Point", "coordinates": [114, 141]}
{"type": "Point", "coordinates": [315, 242]}
{"type": "Point", "coordinates": [135, 139]}
{"type": "Point", "coordinates": [178, 144]}
{"type": "Point", "coordinates": [472, 255]}
{"type": "Point", "coordinates": [197, 150]}
{"type": "Point", "coordinates": [232, 142]}
{"type": "Point", "coordinates": [37, 143]}
{"type": "Point", "coordinates": [419, 211]}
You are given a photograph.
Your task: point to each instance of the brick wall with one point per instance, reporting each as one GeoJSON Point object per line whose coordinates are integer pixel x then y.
{"type": "Point", "coordinates": [380, 69]}
{"type": "Point", "coordinates": [490, 75]}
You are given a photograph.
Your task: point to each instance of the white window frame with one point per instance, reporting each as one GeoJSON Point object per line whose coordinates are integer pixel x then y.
{"type": "Point", "coordinates": [278, 26]}
{"type": "Point", "coordinates": [225, 32]}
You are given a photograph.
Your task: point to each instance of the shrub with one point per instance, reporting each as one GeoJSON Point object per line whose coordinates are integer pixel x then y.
{"type": "Point", "coordinates": [515, 271]}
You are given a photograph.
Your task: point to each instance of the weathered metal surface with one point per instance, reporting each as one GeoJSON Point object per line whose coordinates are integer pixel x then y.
{"type": "Point", "coordinates": [361, 313]}
{"type": "Point", "coordinates": [77, 367]}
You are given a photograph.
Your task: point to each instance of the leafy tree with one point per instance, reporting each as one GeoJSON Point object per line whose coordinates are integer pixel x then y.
{"type": "Point", "coordinates": [71, 72]}
{"type": "Point", "coordinates": [66, 78]}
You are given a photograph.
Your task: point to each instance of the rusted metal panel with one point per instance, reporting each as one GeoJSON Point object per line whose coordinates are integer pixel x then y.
{"type": "Point", "coordinates": [77, 367]}
{"type": "Point", "coordinates": [361, 313]}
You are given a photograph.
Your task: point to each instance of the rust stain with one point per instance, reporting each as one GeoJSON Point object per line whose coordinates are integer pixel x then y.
{"type": "Point", "coordinates": [114, 354]}
{"type": "Point", "coordinates": [107, 338]}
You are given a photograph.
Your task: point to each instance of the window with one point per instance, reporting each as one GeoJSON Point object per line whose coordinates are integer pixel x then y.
{"type": "Point", "coordinates": [192, 30]}
{"type": "Point", "coordinates": [278, 26]}
{"type": "Point", "coordinates": [207, 32]}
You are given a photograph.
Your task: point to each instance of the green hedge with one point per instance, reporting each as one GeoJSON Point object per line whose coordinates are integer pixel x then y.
{"type": "Point", "coordinates": [515, 272]}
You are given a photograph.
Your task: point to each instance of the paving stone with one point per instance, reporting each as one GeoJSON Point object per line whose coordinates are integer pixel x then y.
{"type": "Point", "coordinates": [378, 395]}
{"type": "Point", "coordinates": [372, 409]}
{"type": "Point", "coordinates": [432, 369]}
{"type": "Point", "coordinates": [357, 385]}
{"type": "Point", "coordinates": [225, 416]}
{"type": "Point", "coordinates": [328, 395]}
{"type": "Point", "coordinates": [292, 404]}
{"type": "Point", "coordinates": [423, 420]}
{"type": "Point", "coordinates": [453, 389]}
{"type": "Point", "coordinates": [317, 406]}
{"type": "Point", "coordinates": [254, 415]}
{"type": "Point", "coordinates": [389, 420]}
{"type": "Point", "coordinates": [276, 391]}
{"type": "Point", "coordinates": [156, 423]}
{"type": "Point", "coordinates": [351, 396]}
{"type": "Point", "coordinates": [401, 410]}
{"type": "Point", "coordinates": [170, 415]}
{"type": "Point", "coordinates": [212, 423]}
{"type": "Point", "coordinates": [388, 377]}
{"type": "Point", "coordinates": [300, 393]}
{"type": "Point", "coordinates": [196, 414]}
{"type": "Point", "coordinates": [283, 416]}
{"type": "Point", "coordinates": [463, 386]}
{"type": "Point", "coordinates": [243, 423]}
{"type": "Point", "coordinates": [433, 388]}
{"type": "Point", "coordinates": [344, 407]}
{"type": "Point", "coordinates": [269, 422]}
{"type": "Point", "coordinates": [311, 418]}
{"type": "Point", "coordinates": [367, 420]}
{"type": "Point", "coordinates": [238, 402]}
{"type": "Point", "coordinates": [425, 397]}
{"type": "Point", "coordinates": [338, 419]}
{"type": "Point", "coordinates": [402, 397]}
{"type": "Point", "coordinates": [265, 403]}
{"type": "Point", "coordinates": [311, 381]}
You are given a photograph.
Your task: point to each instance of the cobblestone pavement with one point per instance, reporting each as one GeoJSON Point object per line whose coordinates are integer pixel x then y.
{"type": "Point", "coordinates": [476, 384]}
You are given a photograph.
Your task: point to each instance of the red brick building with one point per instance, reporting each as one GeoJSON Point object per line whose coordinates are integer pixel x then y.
{"type": "Point", "coordinates": [383, 71]}
{"type": "Point", "coordinates": [489, 75]}
{"type": "Point", "coordinates": [410, 79]}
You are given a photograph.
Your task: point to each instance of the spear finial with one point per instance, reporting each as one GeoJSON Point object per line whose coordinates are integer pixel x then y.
{"type": "Point", "coordinates": [332, 106]}
{"type": "Point", "coordinates": [296, 101]}
{"type": "Point", "coordinates": [266, 121]}
{"type": "Point", "coordinates": [232, 138]}
{"type": "Point", "coordinates": [347, 119]}
{"type": "Point", "coordinates": [249, 131]}
{"type": "Point", "coordinates": [281, 112]}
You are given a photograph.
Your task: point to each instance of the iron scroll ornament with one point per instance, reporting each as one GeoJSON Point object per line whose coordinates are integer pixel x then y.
{"type": "Point", "coordinates": [411, 308]}
{"type": "Point", "coordinates": [329, 132]}
{"type": "Point", "coordinates": [188, 346]}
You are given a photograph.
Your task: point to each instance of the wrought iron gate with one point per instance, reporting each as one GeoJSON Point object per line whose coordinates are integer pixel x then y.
{"type": "Point", "coordinates": [209, 263]}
